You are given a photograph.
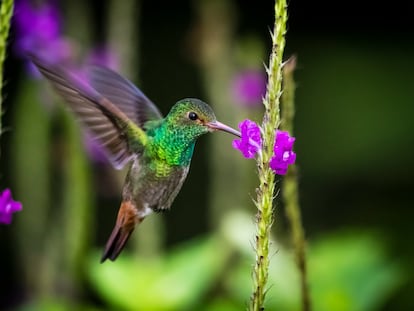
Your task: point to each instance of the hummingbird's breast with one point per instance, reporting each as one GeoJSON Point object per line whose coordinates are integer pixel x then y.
{"type": "Point", "coordinates": [153, 184]}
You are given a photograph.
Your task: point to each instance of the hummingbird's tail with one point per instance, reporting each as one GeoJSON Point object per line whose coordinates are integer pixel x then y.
{"type": "Point", "coordinates": [125, 224]}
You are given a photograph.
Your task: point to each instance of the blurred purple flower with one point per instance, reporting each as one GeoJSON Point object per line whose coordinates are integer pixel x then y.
{"type": "Point", "coordinates": [35, 25]}
{"type": "Point", "coordinates": [103, 56]}
{"type": "Point", "coordinates": [283, 154]}
{"type": "Point", "coordinates": [249, 87]}
{"type": "Point", "coordinates": [250, 142]}
{"type": "Point", "coordinates": [8, 207]}
{"type": "Point", "coordinates": [38, 30]}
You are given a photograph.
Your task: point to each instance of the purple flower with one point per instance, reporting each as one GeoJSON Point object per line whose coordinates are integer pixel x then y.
{"type": "Point", "coordinates": [8, 207]}
{"type": "Point", "coordinates": [250, 142]}
{"type": "Point", "coordinates": [38, 30]}
{"type": "Point", "coordinates": [35, 25]}
{"type": "Point", "coordinates": [249, 87]}
{"type": "Point", "coordinates": [283, 154]}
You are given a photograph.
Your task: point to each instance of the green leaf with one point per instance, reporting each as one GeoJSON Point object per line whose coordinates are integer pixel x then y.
{"type": "Point", "coordinates": [223, 305]}
{"type": "Point", "coordinates": [54, 305]}
{"type": "Point", "coordinates": [347, 271]}
{"type": "Point", "coordinates": [350, 271]}
{"type": "Point", "coordinates": [174, 282]}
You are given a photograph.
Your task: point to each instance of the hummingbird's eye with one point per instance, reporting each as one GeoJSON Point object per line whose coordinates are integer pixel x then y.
{"type": "Point", "coordinates": [192, 116]}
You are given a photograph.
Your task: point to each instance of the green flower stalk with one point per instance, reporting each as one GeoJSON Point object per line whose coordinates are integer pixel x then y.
{"type": "Point", "coordinates": [6, 12]}
{"type": "Point", "coordinates": [290, 184]}
{"type": "Point", "coordinates": [265, 192]}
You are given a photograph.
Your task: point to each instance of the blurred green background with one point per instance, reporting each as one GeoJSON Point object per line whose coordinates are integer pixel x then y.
{"type": "Point", "coordinates": [354, 103]}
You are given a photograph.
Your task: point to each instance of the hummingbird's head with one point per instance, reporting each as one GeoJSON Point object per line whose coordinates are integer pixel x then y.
{"type": "Point", "coordinates": [194, 117]}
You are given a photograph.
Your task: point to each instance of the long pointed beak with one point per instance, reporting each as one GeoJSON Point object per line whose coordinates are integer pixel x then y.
{"type": "Point", "coordinates": [218, 126]}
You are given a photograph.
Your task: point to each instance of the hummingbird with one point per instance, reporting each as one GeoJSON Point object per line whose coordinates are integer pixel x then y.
{"type": "Point", "coordinates": [133, 131]}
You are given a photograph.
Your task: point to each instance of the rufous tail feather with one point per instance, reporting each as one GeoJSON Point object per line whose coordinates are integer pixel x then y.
{"type": "Point", "coordinates": [125, 224]}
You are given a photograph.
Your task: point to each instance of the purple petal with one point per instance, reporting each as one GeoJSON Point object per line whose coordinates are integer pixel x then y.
{"type": "Point", "coordinates": [8, 206]}
{"type": "Point", "coordinates": [291, 157]}
{"type": "Point", "coordinates": [277, 166]}
{"type": "Point", "coordinates": [278, 152]}
{"type": "Point", "coordinates": [250, 141]}
{"type": "Point", "coordinates": [236, 144]}
{"type": "Point", "coordinates": [283, 155]}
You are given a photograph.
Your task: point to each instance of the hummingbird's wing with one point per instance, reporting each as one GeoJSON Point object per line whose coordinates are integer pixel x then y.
{"type": "Point", "coordinates": [124, 94]}
{"type": "Point", "coordinates": [119, 135]}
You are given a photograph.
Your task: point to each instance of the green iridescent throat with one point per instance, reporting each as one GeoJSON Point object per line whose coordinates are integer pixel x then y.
{"type": "Point", "coordinates": [173, 145]}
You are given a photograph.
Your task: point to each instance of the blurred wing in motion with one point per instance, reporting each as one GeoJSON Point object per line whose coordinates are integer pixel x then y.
{"type": "Point", "coordinates": [124, 94]}
{"type": "Point", "coordinates": [115, 131]}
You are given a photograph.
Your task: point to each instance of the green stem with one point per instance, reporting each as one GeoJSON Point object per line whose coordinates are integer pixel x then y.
{"type": "Point", "coordinates": [265, 192]}
{"type": "Point", "coordinates": [290, 184]}
{"type": "Point", "coordinates": [6, 12]}
{"type": "Point", "coordinates": [77, 221]}
{"type": "Point", "coordinates": [123, 19]}
{"type": "Point", "coordinates": [31, 164]}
